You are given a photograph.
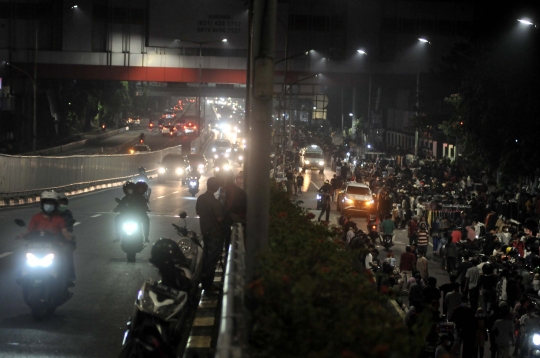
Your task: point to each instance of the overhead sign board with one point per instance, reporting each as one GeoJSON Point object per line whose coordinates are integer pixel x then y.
{"type": "Point", "coordinates": [197, 21]}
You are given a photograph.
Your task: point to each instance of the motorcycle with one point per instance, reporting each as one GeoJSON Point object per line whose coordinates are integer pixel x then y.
{"type": "Point", "coordinates": [131, 235]}
{"type": "Point", "coordinates": [43, 276]}
{"type": "Point", "coordinates": [193, 185]}
{"type": "Point", "coordinates": [387, 241]}
{"type": "Point", "coordinates": [319, 201]}
{"type": "Point", "coordinates": [162, 308]}
{"type": "Point", "coordinates": [374, 233]}
{"type": "Point", "coordinates": [103, 127]}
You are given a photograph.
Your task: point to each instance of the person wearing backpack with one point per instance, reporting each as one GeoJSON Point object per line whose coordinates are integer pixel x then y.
{"type": "Point", "coordinates": [325, 205]}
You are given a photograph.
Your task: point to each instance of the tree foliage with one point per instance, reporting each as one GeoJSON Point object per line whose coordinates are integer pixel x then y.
{"type": "Point", "coordinates": [312, 302]}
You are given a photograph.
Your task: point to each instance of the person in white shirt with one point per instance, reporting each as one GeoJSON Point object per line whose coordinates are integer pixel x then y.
{"type": "Point", "coordinates": [350, 235]}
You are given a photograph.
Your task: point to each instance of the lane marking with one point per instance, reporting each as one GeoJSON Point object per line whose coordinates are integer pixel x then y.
{"type": "Point", "coordinates": [315, 185]}
{"type": "Point", "coordinates": [5, 254]}
{"type": "Point", "coordinates": [95, 216]}
{"type": "Point", "coordinates": [159, 197]}
{"type": "Point", "coordinates": [77, 223]}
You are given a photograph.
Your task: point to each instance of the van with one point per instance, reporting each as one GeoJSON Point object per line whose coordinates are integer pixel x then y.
{"type": "Point", "coordinates": [313, 158]}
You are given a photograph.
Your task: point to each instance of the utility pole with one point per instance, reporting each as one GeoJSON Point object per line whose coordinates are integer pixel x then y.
{"type": "Point", "coordinates": [258, 190]}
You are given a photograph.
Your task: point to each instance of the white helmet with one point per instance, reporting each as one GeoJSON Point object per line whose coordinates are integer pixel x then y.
{"type": "Point", "coordinates": [49, 195]}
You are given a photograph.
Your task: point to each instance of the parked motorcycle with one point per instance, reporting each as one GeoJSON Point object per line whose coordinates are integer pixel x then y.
{"type": "Point", "coordinates": [193, 185]}
{"type": "Point", "coordinates": [162, 308]}
{"type": "Point", "coordinates": [131, 235]}
{"type": "Point", "coordinates": [43, 275]}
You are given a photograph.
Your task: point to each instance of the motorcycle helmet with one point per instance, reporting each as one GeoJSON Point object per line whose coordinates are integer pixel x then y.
{"type": "Point", "coordinates": [142, 170]}
{"type": "Point", "coordinates": [141, 187]}
{"type": "Point", "coordinates": [129, 185]}
{"type": "Point", "coordinates": [63, 198]}
{"type": "Point", "coordinates": [166, 252]}
{"type": "Point", "coordinates": [48, 201]}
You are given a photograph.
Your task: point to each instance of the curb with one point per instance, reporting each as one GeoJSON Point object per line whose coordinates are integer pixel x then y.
{"type": "Point", "coordinates": [19, 201]}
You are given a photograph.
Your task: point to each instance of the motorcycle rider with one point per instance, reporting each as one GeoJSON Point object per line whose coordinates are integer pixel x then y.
{"type": "Point", "coordinates": [48, 220]}
{"type": "Point", "coordinates": [529, 323]}
{"type": "Point", "coordinates": [144, 178]}
{"type": "Point", "coordinates": [387, 228]}
{"type": "Point", "coordinates": [135, 203]}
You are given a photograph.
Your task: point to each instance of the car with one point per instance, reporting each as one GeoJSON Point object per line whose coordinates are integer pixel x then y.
{"type": "Point", "coordinates": [169, 130]}
{"type": "Point", "coordinates": [313, 158]}
{"type": "Point", "coordinates": [221, 148]}
{"type": "Point", "coordinates": [237, 154]}
{"type": "Point", "coordinates": [355, 198]}
{"type": "Point", "coordinates": [173, 167]}
{"type": "Point", "coordinates": [221, 165]}
{"type": "Point", "coordinates": [139, 148]}
{"type": "Point", "coordinates": [197, 162]}
{"type": "Point", "coordinates": [135, 121]}
{"type": "Point", "coordinates": [189, 128]}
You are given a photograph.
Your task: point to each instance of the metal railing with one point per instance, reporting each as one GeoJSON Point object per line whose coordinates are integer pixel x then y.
{"type": "Point", "coordinates": [230, 336]}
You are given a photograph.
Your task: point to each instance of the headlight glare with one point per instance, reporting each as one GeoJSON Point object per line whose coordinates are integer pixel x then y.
{"type": "Point", "coordinates": [536, 339]}
{"type": "Point", "coordinates": [240, 157]}
{"type": "Point", "coordinates": [130, 227]}
{"type": "Point", "coordinates": [179, 171]}
{"type": "Point", "coordinates": [213, 149]}
{"type": "Point", "coordinates": [321, 162]}
{"type": "Point", "coordinates": [307, 161]}
{"type": "Point", "coordinates": [34, 261]}
{"type": "Point", "coordinates": [161, 170]}
{"type": "Point", "coordinates": [226, 167]}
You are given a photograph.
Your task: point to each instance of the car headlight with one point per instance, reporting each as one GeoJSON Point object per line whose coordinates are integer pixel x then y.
{"type": "Point", "coordinates": [161, 170]}
{"type": "Point", "coordinates": [347, 199]}
{"type": "Point", "coordinates": [213, 149]}
{"type": "Point", "coordinates": [226, 167]}
{"type": "Point", "coordinates": [216, 156]}
{"type": "Point", "coordinates": [226, 155]}
{"type": "Point", "coordinates": [306, 161]}
{"type": "Point", "coordinates": [131, 151]}
{"type": "Point", "coordinates": [228, 150]}
{"type": "Point", "coordinates": [536, 339]}
{"type": "Point", "coordinates": [217, 169]}
{"type": "Point", "coordinates": [34, 261]}
{"type": "Point", "coordinates": [200, 166]}
{"type": "Point", "coordinates": [240, 157]}
{"type": "Point", "coordinates": [321, 162]}
{"type": "Point", "coordinates": [179, 171]}
{"type": "Point", "coordinates": [370, 202]}
{"type": "Point", "coordinates": [129, 227]}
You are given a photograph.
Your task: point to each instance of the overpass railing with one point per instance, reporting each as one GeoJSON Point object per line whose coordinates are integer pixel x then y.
{"type": "Point", "coordinates": [232, 325]}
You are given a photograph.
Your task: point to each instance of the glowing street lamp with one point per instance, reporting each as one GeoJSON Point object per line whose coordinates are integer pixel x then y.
{"type": "Point", "coordinates": [361, 52]}
{"type": "Point", "coordinates": [526, 22]}
{"type": "Point", "coordinates": [421, 39]}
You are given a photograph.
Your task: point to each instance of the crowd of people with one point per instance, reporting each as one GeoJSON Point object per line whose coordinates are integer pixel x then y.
{"type": "Point", "coordinates": [485, 236]}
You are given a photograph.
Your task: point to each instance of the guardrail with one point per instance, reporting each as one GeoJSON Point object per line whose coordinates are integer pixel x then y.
{"type": "Point", "coordinates": [230, 337]}
{"type": "Point", "coordinates": [22, 176]}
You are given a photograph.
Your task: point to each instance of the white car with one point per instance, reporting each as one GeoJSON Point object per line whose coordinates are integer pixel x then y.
{"type": "Point", "coordinates": [355, 198]}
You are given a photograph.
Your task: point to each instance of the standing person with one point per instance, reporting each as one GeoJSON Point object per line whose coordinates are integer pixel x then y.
{"type": "Point", "coordinates": [462, 271]}
{"type": "Point", "coordinates": [234, 201]}
{"type": "Point", "coordinates": [487, 286]}
{"type": "Point", "coordinates": [210, 211]}
{"type": "Point", "coordinates": [435, 234]}
{"type": "Point", "coordinates": [481, 333]}
{"type": "Point", "coordinates": [336, 185]}
{"type": "Point", "coordinates": [423, 238]}
{"type": "Point", "coordinates": [450, 254]}
{"type": "Point", "coordinates": [452, 300]}
{"type": "Point", "coordinates": [300, 182]}
{"type": "Point", "coordinates": [325, 205]}
{"type": "Point", "coordinates": [471, 282]}
{"type": "Point", "coordinates": [431, 291]}
{"type": "Point", "coordinates": [413, 228]}
{"type": "Point", "coordinates": [407, 263]}
{"type": "Point", "coordinates": [446, 288]}
{"type": "Point", "coordinates": [465, 320]}
{"type": "Point", "coordinates": [503, 330]}
{"type": "Point", "coordinates": [422, 266]}
{"type": "Point", "coordinates": [289, 184]}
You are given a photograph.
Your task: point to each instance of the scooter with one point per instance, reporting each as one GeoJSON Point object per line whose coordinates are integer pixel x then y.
{"type": "Point", "coordinates": [131, 235]}
{"type": "Point", "coordinates": [43, 275]}
{"type": "Point", "coordinates": [193, 185]}
{"type": "Point", "coordinates": [162, 308]}
{"type": "Point", "coordinates": [374, 233]}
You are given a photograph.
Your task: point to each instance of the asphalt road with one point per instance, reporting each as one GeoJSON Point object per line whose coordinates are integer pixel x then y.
{"type": "Point", "coordinates": [92, 323]}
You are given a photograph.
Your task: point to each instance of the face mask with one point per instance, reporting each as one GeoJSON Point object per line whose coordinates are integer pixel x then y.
{"type": "Point", "coordinates": [48, 208]}
{"type": "Point", "coordinates": [62, 207]}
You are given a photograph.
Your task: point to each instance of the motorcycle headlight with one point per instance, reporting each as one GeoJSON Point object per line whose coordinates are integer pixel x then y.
{"type": "Point", "coordinates": [130, 227]}
{"type": "Point", "coordinates": [192, 183]}
{"type": "Point", "coordinates": [318, 196]}
{"type": "Point", "coordinates": [34, 261]}
{"type": "Point", "coordinates": [213, 149]}
{"type": "Point", "coordinates": [161, 170]}
{"type": "Point", "coordinates": [536, 339]}
{"type": "Point", "coordinates": [179, 171]}
{"type": "Point", "coordinates": [226, 155]}
{"type": "Point", "coordinates": [226, 167]}
{"type": "Point", "coordinates": [216, 156]}
{"type": "Point", "coordinates": [240, 157]}
{"type": "Point", "coordinates": [321, 162]}
{"type": "Point", "coordinates": [200, 166]}
{"type": "Point", "coordinates": [307, 161]}
{"type": "Point", "coordinates": [217, 169]}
